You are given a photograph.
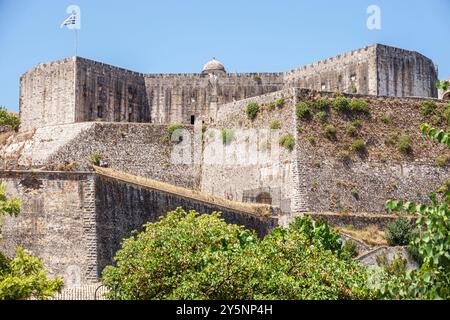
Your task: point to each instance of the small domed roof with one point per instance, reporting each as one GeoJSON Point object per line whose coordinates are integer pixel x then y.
{"type": "Point", "coordinates": [213, 66]}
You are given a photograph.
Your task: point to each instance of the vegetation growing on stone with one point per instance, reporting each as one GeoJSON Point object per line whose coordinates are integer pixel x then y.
{"type": "Point", "coordinates": [96, 158]}
{"type": "Point", "coordinates": [359, 146]}
{"type": "Point", "coordinates": [399, 232]}
{"type": "Point", "coordinates": [321, 117]}
{"type": "Point", "coordinates": [341, 104]}
{"type": "Point", "coordinates": [252, 110]}
{"type": "Point", "coordinates": [322, 104]}
{"type": "Point", "coordinates": [359, 106]}
{"type": "Point", "coordinates": [287, 141]}
{"type": "Point", "coordinates": [275, 124]}
{"type": "Point", "coordinates": [173, 133]}
{"type": "Point", "coordinates": [228, 136]}
{"type": "Point", "coordinates": [404, 144]}
{"type": "Point", "coordinates": [302, 111]}
{"type": "Point", "coordinates": [23, 276]}
{"type": "Point", "coordinates": [329, 131]}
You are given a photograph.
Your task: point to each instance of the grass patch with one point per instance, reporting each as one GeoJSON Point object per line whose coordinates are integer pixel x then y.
{"type": "Point", "coordinates": [252, 110]}
{"type": "Point", "coordinates": [275, 124]}
{"type": "Point", "coordinates": [321, 117]}
{"type": "Point", "coordinates": [329, 131]}
{"type": "Point", "coordinates": [287, 141]}
{"type": "Point", "coordinates": [227, 136]}
{"type": "Point", "coordinates": [404, 144]}
{"type": "Point", "coordinates": [302, 111]}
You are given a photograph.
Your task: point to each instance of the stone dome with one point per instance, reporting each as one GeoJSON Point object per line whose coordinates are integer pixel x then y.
{"type": "Point", "coordinates": [214, 66]}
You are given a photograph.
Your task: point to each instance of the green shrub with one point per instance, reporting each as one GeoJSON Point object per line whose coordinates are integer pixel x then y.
{"type": "Point", "coordinates": [399, 232]}
{"type": "Point", "coordinates": [357, 123]}
{"type": "Point", "coordinates": [302, 110]}
{"type": "Point", "coordinates": [317, 232]}
{"type": "Point", "coordinates": [386, 119]}
{"type": "Point", "coordinates": [189, 256]}
{"type": "Point", "coordinates": [442, 161]}
{"type": "Point", "coordinates": [359, 146]}
{"type": "Point", "coordinates": [351, 130]}
{"type": "Point", "coordinates": [359, 105]}
{"type": "Point", "coordinates": [322, 104]}
{"type": "Point", "coordinates": [312, 140]}
{"type": "Point", "coordinates": [446, 115]}
{"type": "Point", "coordinates": [8, 119]}
{"type": "Point", "coordinates": [256, 78]}
{"type": "Point", "coordinates": [287, 141]}
{"type": "Point", "coordinates": [329, 132]}
{"type": "Point", "coordinates": [280, 103]}
{"type": "Point", "coordinates": [172, 132]}
{"type": "Point", "coordinates": [341, 104]}
{"type": "Point", "coordinates": [349, 249]}
{"type": "Point", "coordinates": [321, 116]}
{"type": "Point", "coordinates": [96, 158]}
{"type": "Point", "coordinates": [428, 108]}
{"type": "Point", "coordinates": [391, 138]}
{"type": "Point", "coordinates": [344, 155]}
{"type": "Point", "coordinates": [275, 124]}
{"type": "Point", "coordinates": [404, 144]}
{"type": "Point", "coordinates": [252, 110]}
{"type": "Point", "coordinates": [227, 136]}
{"type": "Point", "coordinates": [271, 106]}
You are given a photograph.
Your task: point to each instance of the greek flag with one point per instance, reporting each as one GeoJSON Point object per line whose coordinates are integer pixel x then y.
{"type": "Point", "coordinates": [72, 20]}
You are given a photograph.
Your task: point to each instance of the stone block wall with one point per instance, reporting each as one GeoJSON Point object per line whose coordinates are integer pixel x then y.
{"type": "Point", "coordinates": [403, 73]}
{"type": "Point", "coordinates": [351, 72]}
{"type": "Point", "coordinates": [123, 207]}
{"type": "Point", "coordinates": [254, 164]}
{"type": "Point", "coordinates": [57, 222]}
{"type": "Point", "coordinates": [47, 95]}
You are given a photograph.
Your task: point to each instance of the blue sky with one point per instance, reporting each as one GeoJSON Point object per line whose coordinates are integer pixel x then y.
{"type": "Point", "coordinates": [180, 36]}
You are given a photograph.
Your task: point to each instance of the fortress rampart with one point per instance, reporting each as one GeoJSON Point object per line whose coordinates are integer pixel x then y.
{"type": "Point", "coordinates": [79, 90]}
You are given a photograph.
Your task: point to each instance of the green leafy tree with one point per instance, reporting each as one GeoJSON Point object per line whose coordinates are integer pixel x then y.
{"type": "Point", "coordinates": [23, 276]}
{"type": "Point", "coordinates": [432, 280]}
{"type": "Point", "coordinates": [8, 119]}
{"type": "Point", "coordinates": [186, 255]}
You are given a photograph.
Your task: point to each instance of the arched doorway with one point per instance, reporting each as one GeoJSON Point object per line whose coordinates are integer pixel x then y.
{"type": "Point", "coordinates": [264, 197]}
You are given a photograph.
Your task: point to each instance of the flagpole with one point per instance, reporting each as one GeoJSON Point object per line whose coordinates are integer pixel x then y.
{"type": "Point", "coordinates": [76, 42]}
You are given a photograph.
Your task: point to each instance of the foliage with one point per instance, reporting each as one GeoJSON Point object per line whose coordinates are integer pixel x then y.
{"type": "Point", "coordinates": [351, 130]}
{"type": "Point", "coordinates": [228, 136]}
{"type": "Point", "coordinates": [192, 256]}
{"type": "Point", "coordinates": [287, 141]}
{"type": "Point", "coordinates": [8, 206]}
{"type": "Point", "coordinates": [404, 144]}
{"type": "Point", "coordinates": [329, 131]}
{"type": "Point", "coordinates": [386, 119]}
{"type": "Point", "coordinates": [279, 103]}
{"type": "Point", "coordinates": [349, 250]}
{"type": "Point", "coordinates": [344, 155]}
{"type": "Point", "coordinates": [8, 119]}
{"type": "Point", "coordinates": [442, 161]}
{"type": "Point", "coordinates": [173, 132]}
{"type": "Point", "coordinates": [428, 108]}
{"type": "Point", "coordinates": [317, 232]}
{"type": "Point", "coordinates": [322, 104]}
{"type": "Point", "coordinates": [96, 158]}
{"type": "Point", "coordinates": [341, 104]}
{"type": "Point", "coordinates": [359, 146]}
{"type": "Point", "coordinates": [252, 110]}
{"type": "Point", "coordinates": [434, 134]}
{"type": "Point", "coordinates": [443, 84]}
{"type": "Point", "coordinates": [256, 78]}
{"type": "Point", "coordinates": [321, 116]}
{"type": "Point", "coordinates": [399, 232]}
{"type": "Point", "coordinates": [24, 277]}
{"type": "Point", "coordinates": [359, 106]}
{"type": "Point", "coordinates": [302, 111]}
{"type": "Point", "coordinates": [275, 124]}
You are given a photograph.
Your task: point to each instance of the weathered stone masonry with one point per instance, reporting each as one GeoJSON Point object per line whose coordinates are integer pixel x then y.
{"type": "Point", "coordinates": [78, 89]}
{"type": "Point", "coordinates": [76, 221]}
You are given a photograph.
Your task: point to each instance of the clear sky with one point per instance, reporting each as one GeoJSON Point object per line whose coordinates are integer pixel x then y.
{"type": "Point", "coordinates": [157, 36]}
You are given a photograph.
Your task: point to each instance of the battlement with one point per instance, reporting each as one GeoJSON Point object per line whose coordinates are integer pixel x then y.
{"type": "Point", "coordinates": [77, 89]}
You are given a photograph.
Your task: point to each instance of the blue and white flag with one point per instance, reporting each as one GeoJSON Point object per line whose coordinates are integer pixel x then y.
{"type": "Point", "coordinates": [74, 20]}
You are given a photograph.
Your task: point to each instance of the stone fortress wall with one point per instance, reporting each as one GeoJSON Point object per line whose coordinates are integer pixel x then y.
{"type": "Point", "coordinates": [75, 221]}
{"type": "Point", "coordinates": [78, 89]}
